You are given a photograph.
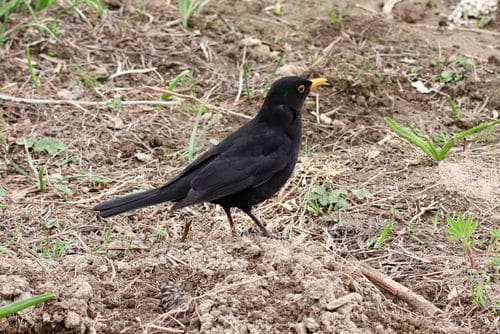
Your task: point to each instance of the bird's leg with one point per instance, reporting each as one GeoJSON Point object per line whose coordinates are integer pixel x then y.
{"type": "Point", "coordinates": [230, 219]}
{"type": "Point", "coordinates": [256, 220]}
{"type": "Point", "coordinates": [187, 227]}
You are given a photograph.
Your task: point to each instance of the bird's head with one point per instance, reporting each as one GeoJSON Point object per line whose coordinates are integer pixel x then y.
{"type": "Point", "coordinates": [291, 91]}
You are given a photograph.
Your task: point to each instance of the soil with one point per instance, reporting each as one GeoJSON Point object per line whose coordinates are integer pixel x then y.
{"type": "Point", "coordinates": [131, 274]}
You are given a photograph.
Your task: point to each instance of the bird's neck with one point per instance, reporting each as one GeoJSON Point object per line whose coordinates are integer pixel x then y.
{"type": "Point", "coordinates": [280, 116]}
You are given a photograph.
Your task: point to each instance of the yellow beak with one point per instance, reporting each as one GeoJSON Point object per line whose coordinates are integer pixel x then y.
{"type": "Point", "coordinates": [317, 82]}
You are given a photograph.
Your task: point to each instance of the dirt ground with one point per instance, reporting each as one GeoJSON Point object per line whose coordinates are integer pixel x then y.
{"type": "Point", "coordinates": [131, 274]}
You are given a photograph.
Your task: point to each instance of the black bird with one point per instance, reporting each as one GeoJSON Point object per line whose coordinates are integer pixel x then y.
{"type": "Point", "coordinates": [247, 167]}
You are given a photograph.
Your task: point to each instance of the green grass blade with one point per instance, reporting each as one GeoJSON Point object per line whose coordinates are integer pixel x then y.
{"type": "Point", "coordinates": [199, 6]}
{"type": "Point", "coordinates": [31, 164]}
{"type": "Point", "coordinates": [426, 139]}
{"type": "Point", "coordinates": [42, 27]}
{"type": "Point", "coordinates": [30, 69]}
{"type": "Point", "coordinates": [454, 108]}
{"type": "Point", "coordinates": [388, 224]}
{"type": "Point", "coordinates": [92, 177]}
{"type": "Point", "coordinates": [20, 305]}
{"type": "Point", "coordinates": [173, 84]}
{"type": "Point", "coordinates": [270, 79]}
{"type": "Point", "coordinates": [277, 8]}
{"type": "Point", "coordinates": [247, 85]}
{"type": "Point", "coordinates": [97, 5]}
{"type": "Point", "coordinates": [35, 22]}
{"type": "Point", "coordinates": [426, 146]}
{"type": "Point", "coordinates": [38, 172]}
{"type": "Point", "coordinates": [16, 166]}
{"type": "Point", "coordinates": [5, 9]}
{"type": "Point", "coordinates": [449, 144]}
{"type": "Point", "coordinates": [41, 182]}
{"type": "Point", "coordinates": [178, 79]}
{"type": "Point", "coordinates": [184, 11]}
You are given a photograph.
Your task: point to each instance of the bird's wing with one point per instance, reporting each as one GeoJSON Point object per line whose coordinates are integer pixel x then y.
{"type": "Point", "coordinates": [206, 157]}
{"type": "Point", "coordinates": [242, 167]}
{"type": "Point", "coordinates": [199, 162]}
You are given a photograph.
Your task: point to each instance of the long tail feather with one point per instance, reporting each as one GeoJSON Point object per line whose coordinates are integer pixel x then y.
{"type": "Point", "coordinates": [132, 202]}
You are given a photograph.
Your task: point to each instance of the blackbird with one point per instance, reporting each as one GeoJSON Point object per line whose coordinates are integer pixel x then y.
{"type": "Point", "coordinates": [247, 167]}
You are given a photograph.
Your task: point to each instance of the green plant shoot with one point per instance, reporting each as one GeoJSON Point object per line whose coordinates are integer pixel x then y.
{"type": "Point", "coordinates": [454, 108]}
{"type": "Point", "coordinates": [173, 85]}
{"type": "Point", "coordinates": [388, 224]}
{"type": "Point", "coordinates": [461, 230]}
{"type": "Point", "coordinates": [187, 8]}
{"type": "Point", "coordinates": [426, 144]}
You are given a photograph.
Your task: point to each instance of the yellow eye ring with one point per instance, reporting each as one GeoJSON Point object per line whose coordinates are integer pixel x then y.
{"type": "Point", "coordinates": [301, 89]}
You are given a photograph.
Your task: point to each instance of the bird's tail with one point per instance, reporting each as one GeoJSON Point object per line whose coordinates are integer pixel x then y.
{"type": "Point", "coordinates": [133, 201]}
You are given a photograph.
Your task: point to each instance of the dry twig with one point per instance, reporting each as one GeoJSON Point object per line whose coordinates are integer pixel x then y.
{"type": "Point", "coordinates": [80, 103]}
{"type": "Point", "coordinates": [387, 284]}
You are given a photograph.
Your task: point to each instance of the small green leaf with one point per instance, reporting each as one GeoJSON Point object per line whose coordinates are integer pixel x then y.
{"type": "Point", "coordinates": [446, 76]}
{"type": "Point", "coordinates": [341, 203]}
{"type": "Point", "coordinates": [415, 70]}
{"type": "Point", "coordinates": [67, 161]}
{"type": "Point", "coordinates": [52, 146]}
{"type": "Point", "coordinates": [115, 103]}
{"type": "Point", "coordinates": [92, 177]}
{"type": "Point", "coordinates": [338, 193]}
{"type": "Point", "coordinates": [62, 189]}
{"type": "Point", "coordinates": [323, 201]}
{"type": "Point", "coordinates": [51, 224]}
{"type": "Point", "coordinates": [320, 190]}
{"type": "Point", "coordinates": [277, 8]}
{"type": "Point", "coordinates": [3, 192]}
{"type": "Point", "coordinates": [361, 193]}
{"type": "Point", "coordinates": [494, 232]}
{"type": "Point", "coordinates": [39, 5]}
{"type": "Point", "coordinates": [461, 229]}
{"type": "Point", "coordinates": [26, 141]}
{"type": "Point", "coordinates": [98, 178]}
{"type": "Point", "coordinates": [436, 61]}
{"type": "Point", "coordinates": [464, 62]}
{"type": "Point", "coordinates": [494, 262]}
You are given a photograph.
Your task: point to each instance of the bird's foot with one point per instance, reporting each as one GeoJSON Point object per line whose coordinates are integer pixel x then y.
{"type": "Point", "coordinates": [269, 234]}
{"type": "Point", "coordinates": [264, 232]}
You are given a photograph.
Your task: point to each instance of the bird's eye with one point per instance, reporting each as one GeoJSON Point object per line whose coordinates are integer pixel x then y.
{"type": "Point", "coordinates": [301, 89]}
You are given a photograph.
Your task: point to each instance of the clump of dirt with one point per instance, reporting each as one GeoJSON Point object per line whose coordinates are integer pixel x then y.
{"type": "Point", "coordinates": [252, 285]}
{"type": "Point", "coordinates": [471, 179]}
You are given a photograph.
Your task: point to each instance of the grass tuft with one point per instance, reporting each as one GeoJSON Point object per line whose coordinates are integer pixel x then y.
{"type": "Point", "coordinates": [388, 224]}
{"type": "Point", "coordinates": [187, 8]}
{"type": "Point", "coordinates": [427, 145]}
{"type": "Point", "coordinates": [461, 229]}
